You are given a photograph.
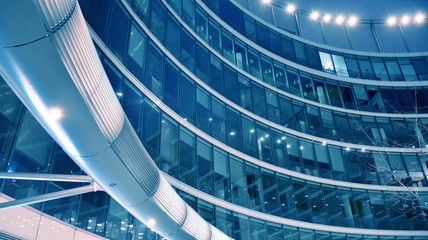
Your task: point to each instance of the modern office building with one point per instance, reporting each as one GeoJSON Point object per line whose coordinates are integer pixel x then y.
{"type": "Point", "coordinates": [213, 119]}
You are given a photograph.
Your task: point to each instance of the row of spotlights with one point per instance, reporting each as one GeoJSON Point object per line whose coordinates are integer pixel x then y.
{"type": "Point", "coordinates": [419, 18]}
{"type": "Point", "coordinates": [352, 20]}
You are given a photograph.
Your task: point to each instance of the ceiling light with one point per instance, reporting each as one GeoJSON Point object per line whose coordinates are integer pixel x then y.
{"type": "Point", "coordinates": [314, 15]}
{"type": "Point", "coordinates": [405, 20]}
{"type": "Point", "coordinates": [55, 113]}
{"type": "Point", "coordinates": [151, 223]}
{"type": "Point", "coordinates": [326, 18]}
{"type": "Point", "coordinates": [266, 1]}
{"type": "Point", "coordinates": [419, 18]}
{"type": "Point", "coordinates": [391, 21]}
{"type": "Point", "coordinates": [340, 19]}
{"type": "Point", "coordinates": [290, 8]}
{"type": "Point", "coordinates": [353, 20]}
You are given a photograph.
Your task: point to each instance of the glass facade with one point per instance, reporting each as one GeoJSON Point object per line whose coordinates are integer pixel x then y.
{"type": "Point", "coordinates": [249, 116]}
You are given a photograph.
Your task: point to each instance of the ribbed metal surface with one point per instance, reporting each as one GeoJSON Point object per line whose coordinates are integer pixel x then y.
{"type": "Point", "coordinates": [167, 199]}
{"type": "Point", "coordinates": [196, 226]}
{"type": "Point", "coordinates": [128, 148]}
{"type": "Point", "coordinates": [82, 62]}
{"type": "Point", "coordinates": [217, 234]}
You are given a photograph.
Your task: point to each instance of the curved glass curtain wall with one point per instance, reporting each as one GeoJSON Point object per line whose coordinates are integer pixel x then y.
{"type": "Point", "coordinates": [287, 112]}
{"type": "Point", "coordinates": [224, 123]}
{"type": "Point", "coordinates": [194, 161]}
{"type": "Point", "coordinates": [312, 87]}
{"type": "Point", "coordinates": [338, 63]}
{"type": "Point", "coordinates": [306, 118]}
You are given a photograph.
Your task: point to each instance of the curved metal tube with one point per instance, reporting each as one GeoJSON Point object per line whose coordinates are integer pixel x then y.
{"type": "Point", "coordinates": [48, 58]}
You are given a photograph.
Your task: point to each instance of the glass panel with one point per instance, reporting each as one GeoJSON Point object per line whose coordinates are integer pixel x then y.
{"type": "Point", "coordinates": [394, 70]}
{"type": "Point", "coordinates": [172, 42]}
{"type": "Point", "coordinates": [136, 53]}
{"type": "Point", "coordinates": [157, 20]}
{"type": "Point", "coordinates": [201, 24]}
{"type": "Point", "coordinates": [227, 44]}
{"type": "Point", "coordinates": [380, 70]}
{"type": "Point", "coordinates": [221, 175]}
{"type": "Point", "coordinates": [205, 166]}
{"type": "Point", "coordinates": [187, 50]}
{"type": "Point", "coordinates": [187, 158]}
{"type": "Point", "coordinates": [188, 14]}
{"type": "Point", "coordinates": [169, 147]}
{"type": "Point", "coordinates": [154, 72]}
{"type": "Point", "coordinates": [118, 31]}
{"type": "Point", "coordinates": [327, 63]}
{"type": "Point", "coordinates": [339, 64]}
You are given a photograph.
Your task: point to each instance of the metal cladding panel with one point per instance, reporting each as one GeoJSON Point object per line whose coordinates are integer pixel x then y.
{"type": "Point", "coordinates": [128, 148]}
{"type": "Point", "coordinates": [113, 176]}
{"type": "Point", "coordinates": [196, 226]}
{"type": "Point", "coordinates": [82, 62]}
{"type": "Point", "coordinates": [162, 223]}
{"type": "Point", "coordinates": [169, 201]}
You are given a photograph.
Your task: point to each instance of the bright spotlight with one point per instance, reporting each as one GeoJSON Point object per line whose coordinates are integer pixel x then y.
{"type": "Point", "coordinates": [340, 19]}
{"type": "Point", "coordinates": [405, 20]}
{"type": "Point", "coordinates": [151, 223]}
{"type": "Point", "coordinates": [352, 21]}
{"type": "Point", "coordinates": [419, 18]}
{"type": "Point", "coordinates": [55, 114]}
{"type": "Point", "coordinates": [391, 21]}
{"type": "Point", "coordinates": [290, 8]}
{"type": "Point", "coordinates": [326, 18]}
{"type": "Point", "coordinates": [314, 15]}
{"type": "Point", "coordinates": [266, 1]}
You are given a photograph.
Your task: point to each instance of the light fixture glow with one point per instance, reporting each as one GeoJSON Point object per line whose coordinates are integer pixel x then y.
{"type": "Point", "coordinates": [405, 20]}
{"type": "Point", "coordinates": [252, 130]}
{"type": "Point", "coordinates": [314, 15]}
{"type": "Point", "coordinates": [352, 21]}
{"type": "Point", "coordinates": [151, 223]}
{"type": "Point", "coordinates": [232, 133]}
{"type": "Point", "coordinates": [324, 143]}
{"type": "Point", "coordinates": [326, 18]}
{"type": "Point", "coordinates": [55, 114]}
{"type": "Point", "coordinates": [288, 146]}
{"type": "Point", "coordinates": [419, 18]}
{"type": "Point", "coordinates": [266, 1]}
{"type": "Point", "coordinates": [391, 21]}
{"type": "Point", "coordinates": [340, 19]}
{"type": "Point", "coordinates": [301, 147]}
{"type": "Point", "coordinates": [290, 8]}
{"type": "Point", "coordinates": [278, 141]}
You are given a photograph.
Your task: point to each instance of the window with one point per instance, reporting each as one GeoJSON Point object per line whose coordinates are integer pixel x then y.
{"type": "Point", "coordinates": [327, 63]}
{"type": "Point", "coordinates": [339, 64]}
